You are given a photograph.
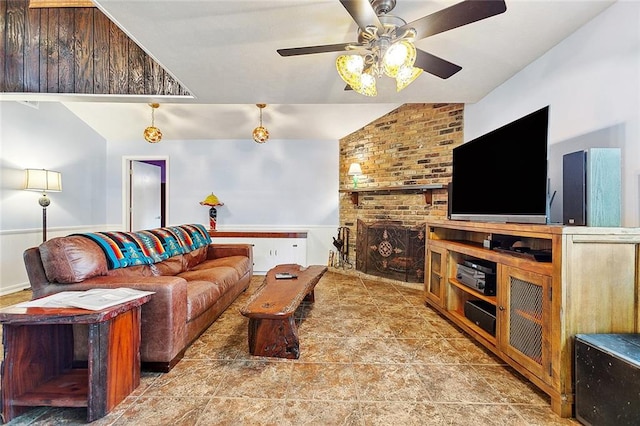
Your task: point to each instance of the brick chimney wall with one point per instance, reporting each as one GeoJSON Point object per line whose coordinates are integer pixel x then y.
{"type": "Point", "coordinates": [410, 145]}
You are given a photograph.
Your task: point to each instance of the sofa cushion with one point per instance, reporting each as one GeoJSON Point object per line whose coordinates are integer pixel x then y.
{"type": "Point", "coordinates": [201, 295]}
{"type": "Point", "coordinates": [241, 264]}
{"type": "Point", "coordinates": [193, 258]}
{"type": "Point", "coordinates": [171, 266]}
{"type": "Point", "coordinates": [224, 276]}
{"type": "Point", "coordinates": [72, 259]}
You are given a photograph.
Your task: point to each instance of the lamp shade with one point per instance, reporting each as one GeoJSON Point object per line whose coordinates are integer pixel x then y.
{"type": "Point", "coordinates": [405, 76]}
{"type": "Point", "coordinates": [212, 201]}
{"type": "Point", "coordinates": [355, 169]}
{"type": "Point", "coordinates": [152, 134]}
{"type": "Point", "coordinates": [350, 68]}
{"type": "Point", "coordinates": [260, 134]}
{"type": "Point", "coordinates": [400, 54]}
{"type": "Point", "coordinates": [367, 85]}
{"type": "Point", "coordinates": [43, 180]}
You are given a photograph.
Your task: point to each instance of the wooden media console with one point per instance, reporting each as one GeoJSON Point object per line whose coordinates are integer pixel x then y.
{"type": "Point", "coordinates": [588, 285]}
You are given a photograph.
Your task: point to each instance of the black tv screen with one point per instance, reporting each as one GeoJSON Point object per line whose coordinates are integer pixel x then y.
{"type": "Point", "coordinates": [502, 176]}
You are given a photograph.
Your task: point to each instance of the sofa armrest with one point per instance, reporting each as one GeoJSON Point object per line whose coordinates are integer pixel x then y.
{"type": "Point", "coordinates": [216, 251]}
{"type": "Point", "coordinates": [35, 271]}
{"type": "Point", "coordinates": [164, 317]}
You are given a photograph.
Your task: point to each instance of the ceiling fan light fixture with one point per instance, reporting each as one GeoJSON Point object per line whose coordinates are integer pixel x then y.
{"type": "Point", "coordinates": [379, 31]}
{"type": "Point", "coordinates": [152, 134]}
{"type": "Point", "coordinates": [260, 134]}
{"type": "Point", "coordinates": [398, 55]}
{"type": "Point", "coordinates": [350, 69]}
{"type": "Point", "coordinates": [366, 85]}
{"type": "Point", "coordinates": [405, 76]}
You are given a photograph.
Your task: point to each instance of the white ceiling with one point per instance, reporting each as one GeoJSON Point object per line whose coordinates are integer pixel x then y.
{"type": "Point", "coordinates": [224, 53]}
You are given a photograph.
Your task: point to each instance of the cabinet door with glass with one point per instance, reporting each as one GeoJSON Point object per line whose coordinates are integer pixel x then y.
{"type": "Point", "coordinates": [436, 266]}
{"type": "Point", "coordinates": [524, 304]}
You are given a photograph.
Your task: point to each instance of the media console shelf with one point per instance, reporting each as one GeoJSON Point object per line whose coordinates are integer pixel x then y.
{"type": "Point", "coordinates": [589, 286]}
{"type": "Point", "coordinates": [426, 189]}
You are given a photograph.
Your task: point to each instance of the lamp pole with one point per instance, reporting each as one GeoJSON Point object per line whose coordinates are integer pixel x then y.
{"type": "Point", "coordinates": [44, 201]}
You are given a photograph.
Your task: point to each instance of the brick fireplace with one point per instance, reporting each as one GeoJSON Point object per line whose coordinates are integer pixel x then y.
{"type": "Point", "coordinates": [411, 145]}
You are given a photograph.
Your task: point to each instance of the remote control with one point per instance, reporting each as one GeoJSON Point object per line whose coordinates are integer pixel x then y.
{"type": "Point", "coordinates": [285, 276]}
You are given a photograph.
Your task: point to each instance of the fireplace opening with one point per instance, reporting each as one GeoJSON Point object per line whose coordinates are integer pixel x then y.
{"type": "Point", "coordinates": [391, 250]}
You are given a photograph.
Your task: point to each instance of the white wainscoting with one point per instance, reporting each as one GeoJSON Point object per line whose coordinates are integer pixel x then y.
{"type": "Point", "coordinates": [319, 240]}
{"type": "Point", "coordinates": [13, 243]}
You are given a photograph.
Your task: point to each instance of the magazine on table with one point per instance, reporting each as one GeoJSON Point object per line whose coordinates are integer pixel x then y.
{"type": "Point", "coordinates": [95, 299]}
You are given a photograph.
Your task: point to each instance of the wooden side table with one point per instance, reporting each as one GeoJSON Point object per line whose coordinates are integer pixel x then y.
{"type": "Point", "coordinates": [38, 369]}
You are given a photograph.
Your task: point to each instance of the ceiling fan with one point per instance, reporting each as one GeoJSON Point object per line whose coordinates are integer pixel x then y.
{"type": "Point", "coordinates": [385, 42]}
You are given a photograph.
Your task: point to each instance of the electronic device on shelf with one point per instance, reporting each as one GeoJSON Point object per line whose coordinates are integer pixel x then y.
{"type": "Point", "coordinates": [478, 275]}
{"type": "Point", "coordinates": [527, 253]}
{"type": "Point", "coordinates": [482, 314]}
{"type": "Point", "coordinates": [502, 175]}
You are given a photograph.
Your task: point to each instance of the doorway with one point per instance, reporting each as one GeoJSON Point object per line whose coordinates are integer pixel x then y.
{"type": "Point", "coordinates": [145, 192]}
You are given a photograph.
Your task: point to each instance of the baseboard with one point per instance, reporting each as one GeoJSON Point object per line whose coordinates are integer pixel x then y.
{"type": "Point", "coordinates": [14, 288]}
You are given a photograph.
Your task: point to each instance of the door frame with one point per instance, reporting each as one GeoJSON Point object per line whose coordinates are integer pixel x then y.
{"type": "Point", "coordinates": [126, 186]}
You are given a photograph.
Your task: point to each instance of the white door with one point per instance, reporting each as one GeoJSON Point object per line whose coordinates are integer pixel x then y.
{"type": "Point", "coordinates": [145, 204]}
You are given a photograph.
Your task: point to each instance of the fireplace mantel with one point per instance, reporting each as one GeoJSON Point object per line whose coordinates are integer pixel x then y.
{"type": "Point", "coordinates": [426, 189]}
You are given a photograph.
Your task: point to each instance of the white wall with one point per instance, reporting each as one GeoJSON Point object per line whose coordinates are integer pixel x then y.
{"type": "Point", "coordinates": [279, 185]}
{"type": "Point", "coordinates": [591, 81]}
{"type": "Point", "coordinates": [48, 137]}
{"type": "Point", "coordinates": [281, 182]}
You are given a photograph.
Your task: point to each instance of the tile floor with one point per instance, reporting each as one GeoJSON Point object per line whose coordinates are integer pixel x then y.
{"type": "Point", "coordinates": [371, 354]}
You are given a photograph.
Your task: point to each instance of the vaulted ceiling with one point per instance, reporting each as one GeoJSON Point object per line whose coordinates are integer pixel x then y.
{"type": "Point", "coordinates": [223, 53]}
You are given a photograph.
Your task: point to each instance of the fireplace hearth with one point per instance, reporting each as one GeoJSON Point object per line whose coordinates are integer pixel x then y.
{"type": "Point", "coordinates": [389, 249]}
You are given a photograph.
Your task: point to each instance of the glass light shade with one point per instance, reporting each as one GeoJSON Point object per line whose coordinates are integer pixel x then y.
{"type": "Point", "coordinates": [43, 180]}
{"type": "Point", "coordinates": [400, 54]}
{"type": "Point", "coordinates": [405, 76]}
{"type": "Point", "coordinates": [260, 134]}
{"type": "Point", "coordinates": [350, 68]}
{"type": "Point", "coordinates": [367, 85]}
{"type": "Point", "coordinates": [152, 134]}
{"type": "Point", "coordinates": [211, 200]}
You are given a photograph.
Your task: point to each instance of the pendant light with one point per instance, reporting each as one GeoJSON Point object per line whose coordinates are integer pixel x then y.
{"type": "Point", "coordinates": [260, 134]}
{"type": "Point", "coordinates": [152, 134]}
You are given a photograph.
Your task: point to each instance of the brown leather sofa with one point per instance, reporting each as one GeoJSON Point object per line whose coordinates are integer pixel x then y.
{"type": "Point", "coordinates": [191, 289]}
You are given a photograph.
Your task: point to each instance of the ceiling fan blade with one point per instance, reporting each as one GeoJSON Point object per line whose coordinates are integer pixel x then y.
{"type": "Point", "coordinates": [362, 12]}
{"type": "Point", "coordinates": [455, 16]}
{"type": "Point", "coordinates": [294, 51]}
{"type": "Point", "coordinates": [435, 65]}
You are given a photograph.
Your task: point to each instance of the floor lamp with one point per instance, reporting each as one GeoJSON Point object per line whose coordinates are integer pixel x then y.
{"type": "Point", "coordinates": [44, 181]}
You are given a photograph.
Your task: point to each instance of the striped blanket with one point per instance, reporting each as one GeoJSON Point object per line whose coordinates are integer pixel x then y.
{"type": "Point", "coordinates": [124, 249]}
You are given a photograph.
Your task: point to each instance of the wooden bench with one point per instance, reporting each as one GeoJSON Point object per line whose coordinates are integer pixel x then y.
{"type": "Point", "coordinates": [272, 327]}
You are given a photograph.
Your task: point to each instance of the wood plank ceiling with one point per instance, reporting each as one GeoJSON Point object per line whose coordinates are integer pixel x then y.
{"type": "Point", "coordinates": [74, 50]}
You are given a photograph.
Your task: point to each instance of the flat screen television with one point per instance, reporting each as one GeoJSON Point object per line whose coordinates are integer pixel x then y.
{"type": "Point", "coordinates": [502, 176]}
